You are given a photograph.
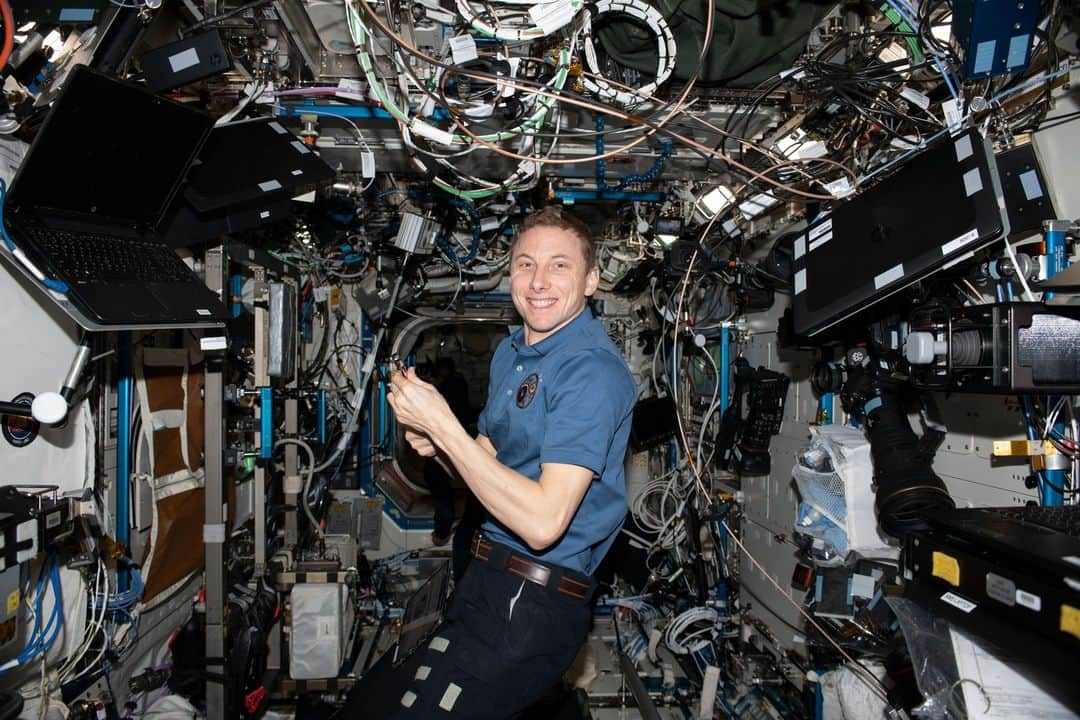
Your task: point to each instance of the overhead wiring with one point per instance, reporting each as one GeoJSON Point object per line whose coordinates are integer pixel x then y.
{"type": "Point", "coordinates": [666, 49]}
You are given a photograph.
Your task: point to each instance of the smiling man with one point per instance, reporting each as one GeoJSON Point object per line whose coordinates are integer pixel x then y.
{"type": "Point", "coordinates": [548, 466]}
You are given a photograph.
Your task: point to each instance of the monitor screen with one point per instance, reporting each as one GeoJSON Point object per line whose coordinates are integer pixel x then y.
{"type": "Point", "coordinates": [903, 223]}
{"type": "Point", "coordinates": [111, 150]}
{"type": "Point", "coordinates": [939, 206]}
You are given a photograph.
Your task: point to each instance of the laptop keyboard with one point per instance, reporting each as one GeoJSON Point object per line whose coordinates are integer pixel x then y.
{"type": "Point", "coordinates": [94, 258]}
{"type": "Point", "coordinates": [1064, 519]}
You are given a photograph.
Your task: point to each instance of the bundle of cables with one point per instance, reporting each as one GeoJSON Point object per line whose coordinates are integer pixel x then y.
{"type": "Point", "coordinates": [42, 635]}
{"type": "Point", "coordinates": [691, 630]}
{"type": "Point", "coordinates": [666, 50]}
{"type": "Point", "coordinates": [412, 122]}
{"type": "Point", "coordinates": [519, 20]}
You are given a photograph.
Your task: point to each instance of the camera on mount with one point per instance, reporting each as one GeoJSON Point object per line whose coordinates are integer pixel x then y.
{"type": "Point", "coordinates": [870, 390]}
{"type": "Point", "coordinates": [859, 379]}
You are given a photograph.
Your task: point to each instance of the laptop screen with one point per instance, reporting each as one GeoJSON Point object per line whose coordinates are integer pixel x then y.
{"type": "Point", "coordinates": [110, 150]}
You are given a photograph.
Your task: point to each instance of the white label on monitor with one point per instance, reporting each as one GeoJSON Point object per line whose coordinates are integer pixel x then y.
{"type": "Point", "coordinates": [817, 230]}
{"type": "Point", "coordinates": [184, 60]}
{"type": "Point", "coordinates": [216, 342]}
{"type": "Point", "coordinates": [891, 275]}
{"type": "Point", "coordinates": [972, 181]}
{"type": "Point", "coordinates": [297, 171]}
{"type": "Point", "coordinates": [959, 602]}
{"type": "Point", "coordinates": [264, 214]}
{"type": "Point", "coordinates": [202, 311]}
{"type": "Point", "coordinates": [278, 128]}
{"type": "Point", "coordinates": [800, 247]}
{"type": "Point", "coordinates": [300, 147]}
{"type": "Point", "coordinates": [1028, 600]}
{"type": "Point", "coordinates": [820, 241]}
{"type": "Point", "coordinates": [963, 148]}
{"type": "Point", "coordinates": [800, 281]}
{"type": "Point", "coordinates": [953, 116]}
{"type": "Point", "coordinates": [954, 245]}
{"type": "Point", "coordinates": [1030, 182]}
{"type": "Point", "coordinates": [269, 186]}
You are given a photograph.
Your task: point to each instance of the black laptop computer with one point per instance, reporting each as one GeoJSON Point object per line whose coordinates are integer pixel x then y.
{"type": "Point", "coordinates": [90, 194]}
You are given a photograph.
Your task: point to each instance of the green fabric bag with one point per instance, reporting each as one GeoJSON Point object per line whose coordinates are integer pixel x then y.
{"type": "Point", "coordinates": [752, 40]}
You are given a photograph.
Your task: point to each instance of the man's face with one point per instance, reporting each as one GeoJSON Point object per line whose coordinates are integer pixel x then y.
{"type": "Point", "coordinates": [549, 280]}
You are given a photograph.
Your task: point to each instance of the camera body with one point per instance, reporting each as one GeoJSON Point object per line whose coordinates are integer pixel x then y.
{"type": "Point", "coordinates": [861, 380]}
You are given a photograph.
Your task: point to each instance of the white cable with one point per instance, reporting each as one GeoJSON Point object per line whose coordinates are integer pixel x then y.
{"type": "Point", "coordinates": [685, 621]}
{"type": "Point", "coordinates": [1023, 280]}
{"type": "Point", "coordinates": [307, 480]}
{"type": "Point", "coordinates": [94, 626]}
{"type": "Point", "coordinates": [256, 91]}
{"type": "Point", "coordinates": [666, 50]}
{"type": "Point", "coordinates": [96, 663]}
{"type": "Point", "coordinates": [546, 19]}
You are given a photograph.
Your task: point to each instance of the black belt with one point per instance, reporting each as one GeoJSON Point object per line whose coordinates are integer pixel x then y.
{"type": "Point", "coordinates": [534, 572]}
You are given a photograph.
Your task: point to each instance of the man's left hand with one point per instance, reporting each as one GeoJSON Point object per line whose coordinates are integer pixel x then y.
{"type": "Point", "coordinates": [417, 404]}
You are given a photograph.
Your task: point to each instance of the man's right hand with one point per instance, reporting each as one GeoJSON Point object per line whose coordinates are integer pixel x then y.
{"type": "Point", "coordinates": [420, 443]}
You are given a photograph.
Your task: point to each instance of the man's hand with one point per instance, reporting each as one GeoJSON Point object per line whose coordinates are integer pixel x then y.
{"type": "Point", "coordinates": [421, 443]}
{"type": "Point", "coordinates": [419, 406]}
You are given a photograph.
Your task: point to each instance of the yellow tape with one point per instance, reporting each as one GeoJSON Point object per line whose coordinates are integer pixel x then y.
{"type": "Point", "coordinates": [1023, 448]}
{"type": "Point", "coordinates": [946, 567]}
{"type": "Point", "coordinates": [13, 602]}
{"type": "Point", "coordinates": [1070, 620]}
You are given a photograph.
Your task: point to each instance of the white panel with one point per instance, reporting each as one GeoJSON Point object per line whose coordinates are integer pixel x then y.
{"type": "Point", "coordinates": [1056, 149]}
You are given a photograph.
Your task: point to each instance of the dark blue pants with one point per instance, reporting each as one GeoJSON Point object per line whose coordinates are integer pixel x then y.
{"type": "Point", "coordinates": [504, 642]}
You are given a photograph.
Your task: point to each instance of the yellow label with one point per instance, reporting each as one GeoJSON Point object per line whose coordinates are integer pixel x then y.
{"type": "Point", "coordinates": [947, 568]}
{"type": "Point", "coordinates": [1013, 448]}
{"type": "Point", "coordinates": [1005, 448]}
{"type": "Point", "coordinates": [12, 602]}
{"type": "Point", "coordinates": [1070, 620]}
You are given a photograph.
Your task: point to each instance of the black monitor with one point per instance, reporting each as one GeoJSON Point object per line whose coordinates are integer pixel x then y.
{"type": "Point", "coordinates": [109, 150]}
{"type": "Point", "coordinates": [940, 206]}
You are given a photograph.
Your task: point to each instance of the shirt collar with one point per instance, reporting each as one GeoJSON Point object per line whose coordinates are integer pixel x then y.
{"type": "Point", "coordinates": [554, 340]}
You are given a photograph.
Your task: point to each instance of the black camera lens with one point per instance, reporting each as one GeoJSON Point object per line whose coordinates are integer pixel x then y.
{"type": "Point", "coordinates": [827, 377]}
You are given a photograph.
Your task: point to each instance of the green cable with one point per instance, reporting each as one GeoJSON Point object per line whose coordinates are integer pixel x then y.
{"type": "Point", "coordinates": [902, 25]}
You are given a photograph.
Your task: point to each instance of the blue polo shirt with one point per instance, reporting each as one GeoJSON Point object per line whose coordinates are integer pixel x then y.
{"type": "Point", "coordinates": [566, 399]}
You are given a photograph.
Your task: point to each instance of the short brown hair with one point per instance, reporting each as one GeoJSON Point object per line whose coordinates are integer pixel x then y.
{"type": "Point", "coordinates": [554, 216]}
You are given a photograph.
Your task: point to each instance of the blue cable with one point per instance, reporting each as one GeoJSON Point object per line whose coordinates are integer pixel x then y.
{"type": "Point", "coordinates": [127, 598]}
{"type": "Point", "coordinates": [3, 227]}
{"type": "Point", "coordinates": [632, 179]}
{"type": "Point", "coordinates": [57, 285]}
{"type": "Point", "coordinates": [447, 248]}
{"type": "Point", "coordinates": [38, 643]}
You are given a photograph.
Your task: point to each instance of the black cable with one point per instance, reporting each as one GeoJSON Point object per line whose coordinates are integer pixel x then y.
{"type": "Point", "coordinates": [206, 22]}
